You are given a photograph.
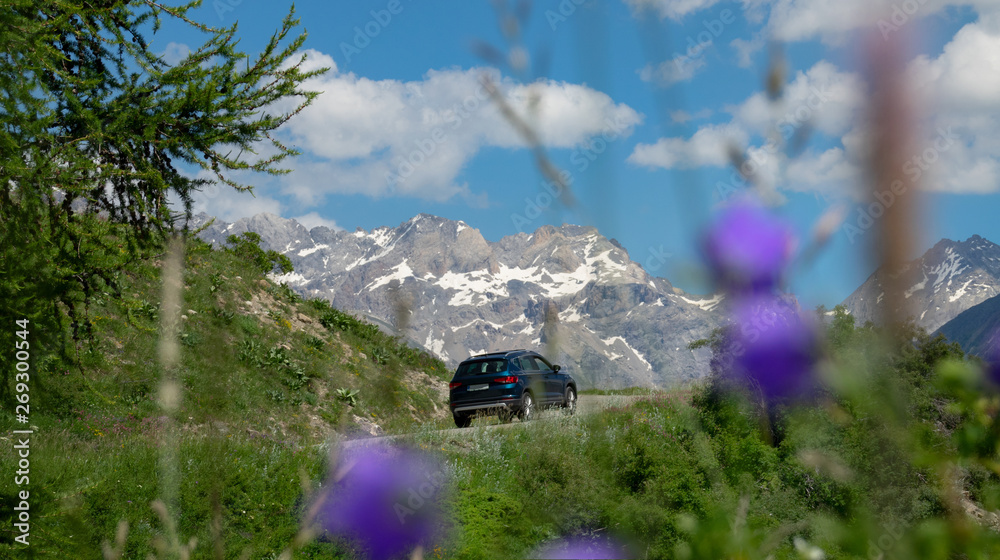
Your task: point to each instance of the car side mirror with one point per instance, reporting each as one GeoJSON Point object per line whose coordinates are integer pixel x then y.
{"type": "Point", "coordinates": [556, 367]}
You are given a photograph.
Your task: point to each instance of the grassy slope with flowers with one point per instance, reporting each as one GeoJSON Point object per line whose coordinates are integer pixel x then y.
{"type": "Point", "coordinates": [880, 460]}
{"type": "Point", "coordinates": [885, 464]}
{"type": "Point", "coordinates": [260, 371]}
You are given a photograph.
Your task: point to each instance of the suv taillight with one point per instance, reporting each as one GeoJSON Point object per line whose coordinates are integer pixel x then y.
{"type": "Point", "coordinates": [454, 385]}
{"type": "Point", "coordinates": [508, 379]}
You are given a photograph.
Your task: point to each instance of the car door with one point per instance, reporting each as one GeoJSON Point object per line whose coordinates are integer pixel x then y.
{"type": "Point", "coordinates": [553, 381]}
{"type": "Point", "coordinates": [532, 372]}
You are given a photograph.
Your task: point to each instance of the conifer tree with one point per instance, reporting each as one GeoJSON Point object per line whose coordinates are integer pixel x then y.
{"type": "Point", "coordinates": [93, 128]}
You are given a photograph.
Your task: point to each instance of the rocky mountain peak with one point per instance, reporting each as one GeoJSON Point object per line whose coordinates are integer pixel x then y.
{"type": "Point", "coordinates": [543, 235]}
{"type": "Point", "coordinates": [613, 323]}
{"type": "Point", "coordinates": [949, 278]}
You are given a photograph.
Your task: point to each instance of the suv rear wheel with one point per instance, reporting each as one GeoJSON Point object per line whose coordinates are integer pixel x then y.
{"type": "Point", "coordinates": [463, 421]}
{"type": "Point", "coordinates": [527, 411]}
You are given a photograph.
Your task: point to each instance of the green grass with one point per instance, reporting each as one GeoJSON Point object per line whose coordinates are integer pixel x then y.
{"type": "Point", "coordinates": [251, 486]}
{"type": "Point", "coordinates": [628, 391]}
{"type": "Point", "coordinates": [700, 473]}
{"type": "Point", "coordinates": [687, 479]}
{"type": "Point", "coordinates": [272, 362]}
{"type": "Point", "coordinates": [690, 473]}
{"type": "Point", "coordinates": [258, 406]}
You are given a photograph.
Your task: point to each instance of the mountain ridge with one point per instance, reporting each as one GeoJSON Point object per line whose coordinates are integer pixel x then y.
{"type": "Point", "coordinates": [442, 285]}
{"type": "Point", "coordinates": [947, 279]}
{"type": "Point", "coordinates": [977, 328]}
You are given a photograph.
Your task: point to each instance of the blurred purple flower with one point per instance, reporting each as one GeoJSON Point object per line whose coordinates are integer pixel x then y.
{"type": "Point", "coordinates": [582, 548]}
{"type": "Point", "coordinates": [774, 348]}
{"type": "Point", "coordinates": [748, 248]}
{"type": "Point", "coordinates": [387, 501]}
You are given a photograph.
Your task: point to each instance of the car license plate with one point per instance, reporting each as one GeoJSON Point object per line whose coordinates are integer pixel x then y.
{"type": "Point", "coordinates": [478, 387]}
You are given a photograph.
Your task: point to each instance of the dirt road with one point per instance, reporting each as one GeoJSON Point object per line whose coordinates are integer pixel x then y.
{"type": "Point", "coordinates": [586, 404]}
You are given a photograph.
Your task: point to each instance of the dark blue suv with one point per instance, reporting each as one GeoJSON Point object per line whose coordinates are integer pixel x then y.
{"type": "Point", "coordinates": [508, 384]}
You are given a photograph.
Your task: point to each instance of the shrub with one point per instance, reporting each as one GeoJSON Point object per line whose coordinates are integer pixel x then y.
{"type": "Point", "coordinates": [247, 248]}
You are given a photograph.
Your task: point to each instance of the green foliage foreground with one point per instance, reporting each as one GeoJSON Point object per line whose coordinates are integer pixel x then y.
{"type": "Point", "coordinates": [897, 460]}
{"type": "Point", "coordinates": [260, 371]}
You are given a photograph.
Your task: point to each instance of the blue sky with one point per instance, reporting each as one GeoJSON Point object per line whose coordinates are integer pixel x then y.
{"type": "Point", "coordinates": [639, 101]}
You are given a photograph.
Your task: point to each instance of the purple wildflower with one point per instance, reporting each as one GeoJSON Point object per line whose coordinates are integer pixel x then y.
{"type": "Point", "coordinates": [582, 548]}
{"type": "Point", "coordinates": [387, 501]}
{"type": "Point", "coordinates": [774, 348]}
{"type": "Point", "coordinates": [748, 248]}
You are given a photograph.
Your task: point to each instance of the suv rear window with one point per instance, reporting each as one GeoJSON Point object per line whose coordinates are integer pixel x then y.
{"type": "Point", "coordinates": [481, 367]}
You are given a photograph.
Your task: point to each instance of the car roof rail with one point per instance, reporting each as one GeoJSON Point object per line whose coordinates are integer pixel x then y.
{"type": "Point", "coordinates": [500, 353]}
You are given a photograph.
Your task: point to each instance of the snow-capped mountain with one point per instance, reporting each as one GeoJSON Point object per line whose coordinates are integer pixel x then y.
{"type": "Point", "coordinates": [948, 279]}
{"type": "Point", "coordinates": [456, 294]}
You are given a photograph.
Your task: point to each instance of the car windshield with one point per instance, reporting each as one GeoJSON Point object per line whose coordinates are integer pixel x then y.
{"type": "Point", "coordinates": [481, 367]}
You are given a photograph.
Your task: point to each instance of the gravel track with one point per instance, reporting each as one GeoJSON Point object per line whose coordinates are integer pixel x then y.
{"type": "Point", "coordinates": [586, 404]}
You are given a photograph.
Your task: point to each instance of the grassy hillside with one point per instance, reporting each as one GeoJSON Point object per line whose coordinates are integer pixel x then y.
{"type": "Point", "coordinates": [885, 465]}
{"type": "Point", "coordinates": [267, 379]}
{"type": "Point", "coordinates": [894, 460]}
{"type": "Point", "coordinates": [255, 356]}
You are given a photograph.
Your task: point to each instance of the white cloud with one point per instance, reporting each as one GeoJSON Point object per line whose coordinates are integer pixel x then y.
{"type": "Point", "coordinates": [826, 171]}
{"type": "Point", "coordinates": [707, 147]}
{"type": "Point", "coordinates": [683, 117]}
{"type": "Point", "coordinates": [670, 72]}
{"type": "Point", "coordinates": [966, 76]}
{"type": "Point", "coordinates": [391, 138]}
{"type": "Point", "coordinates": [801, 20]}
{"type": "Point", "coordinates": [222, 201]}
{"type": "Point", "coordinates": [963, 86]}
{"type": "Point", "coordinates": [313, 219]}
{"type": "Point", "coordinates": [673, 9]}
{"type": "Point", "coordinates": [310, 60]}
{"type": "Point", "coordinates": [823, 96]}
{"type": "Point", "coordinates": [798, 20]}
{"type": "Point", "coordinates": [229, 205]}
{"type": "Point", "coordinates": [175, 52]}
{"type": "Point", "coordinates": [822, 101]}
{"type": "Point", "coordinates": [746, 49]}
{"type": "Point", "coordinates": [958, 150]}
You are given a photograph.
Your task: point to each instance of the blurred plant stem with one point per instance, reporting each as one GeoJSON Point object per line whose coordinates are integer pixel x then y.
{"type": "Point", "coordinates": [170, 396]}
{"type": "Point", "coordinates": [892, 115]}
